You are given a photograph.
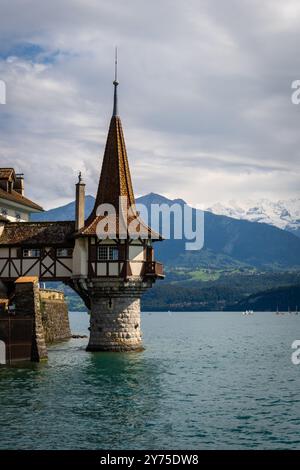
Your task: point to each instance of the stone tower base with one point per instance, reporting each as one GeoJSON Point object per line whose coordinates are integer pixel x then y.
{"type": "Point", "coordinates": [115, 323]}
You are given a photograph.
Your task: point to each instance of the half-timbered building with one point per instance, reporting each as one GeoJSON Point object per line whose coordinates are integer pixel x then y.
{"type": "Point", "coordinates": [14, 206]}
{"type": "Point", "coordinates": [101, 257]}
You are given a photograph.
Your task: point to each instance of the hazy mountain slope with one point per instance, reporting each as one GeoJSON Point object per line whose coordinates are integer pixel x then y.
{"type": "Point", "coordinates": [240, 241]}
{"type": "Point", "coordinates": [66, 212]}
{"type": "Point", "coordinates": [228, 241]}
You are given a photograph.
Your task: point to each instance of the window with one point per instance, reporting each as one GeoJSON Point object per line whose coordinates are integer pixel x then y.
{"type": "Point", "coordinates": [18, 216]}
{"type": "Point", "coordinates": [64, 252]}
{"type": "Point", "coordinates": [103, 253]}
{"type": "Point", "coordinates": [108, 253]}
{"type": "Point", "coordinates": [31, 253]}
{"type": "Point", "coordinates": [4, 211]}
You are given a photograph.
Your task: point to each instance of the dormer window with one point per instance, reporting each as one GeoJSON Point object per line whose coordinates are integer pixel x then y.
{"type": "Point", "coordinates": [12, 186]}
{"type": "Point", "coordinates": [108, 253]}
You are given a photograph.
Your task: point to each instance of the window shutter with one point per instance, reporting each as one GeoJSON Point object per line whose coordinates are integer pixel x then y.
{"type": "Point", "coordinates": [93, 252]}
{"type": "Point", "coordinates": [19, 253]}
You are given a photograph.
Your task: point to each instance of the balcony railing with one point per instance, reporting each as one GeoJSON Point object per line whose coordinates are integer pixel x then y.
{"type": "Point", "coordinates": [154, 269]}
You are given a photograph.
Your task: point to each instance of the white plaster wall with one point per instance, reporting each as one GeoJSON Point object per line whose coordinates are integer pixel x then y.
{"type": "Point", "coordinates": [11, 211]}
{"type": "Point", "coordinates": [30, 266]}
{"type": "Point", "coordinates": [15, 268]}
{"type": "Point", "coordinates": [4, 252]}
{"type": "Point", "coordinates": [101, 269]}
{"type": "Point", "coordinates": [113, 269]}
{"type": "Point", "coordinates": [2, 353]}
{"type": "Point", "coordinates": [136, 268]}
{"type": "Point", "coordinates": [61, 271]}
{"type": "Point", "coordinates": [80, 265]}
{"type": "Point", "coordinates": [5, 272]}
{"type": "Point", "coordinates": [136, 252]}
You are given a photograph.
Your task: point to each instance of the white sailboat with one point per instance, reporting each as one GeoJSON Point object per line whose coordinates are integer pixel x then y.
{"type": "Point", "coordinates": [248, 312]}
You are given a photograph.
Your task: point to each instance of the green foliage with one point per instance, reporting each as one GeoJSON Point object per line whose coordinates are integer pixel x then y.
{"type": "Point", "coordinates": [227, 291]}
{"type": "Point", "coordinates": [205, 290]}
{"type": "Point", "coordinates": [282, 298]}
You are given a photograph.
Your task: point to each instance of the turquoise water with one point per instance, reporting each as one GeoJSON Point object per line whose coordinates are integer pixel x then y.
{"type": "Point", "coordinates": [205, 381]}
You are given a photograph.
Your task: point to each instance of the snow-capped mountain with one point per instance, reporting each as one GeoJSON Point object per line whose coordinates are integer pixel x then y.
{"type": "Point", "coordinates": [281, 214]}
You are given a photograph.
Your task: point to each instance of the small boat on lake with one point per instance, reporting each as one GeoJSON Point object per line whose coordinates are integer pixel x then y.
{"type": "Point", "coordinates": [248, 312]}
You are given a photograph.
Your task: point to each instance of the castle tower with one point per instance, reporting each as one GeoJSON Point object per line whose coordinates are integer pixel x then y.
{"type": "Point", "coordinates": [113, 255]}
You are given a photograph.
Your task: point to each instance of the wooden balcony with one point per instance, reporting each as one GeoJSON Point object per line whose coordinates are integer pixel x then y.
{"type": "Point", "coordinates": [154, 269]}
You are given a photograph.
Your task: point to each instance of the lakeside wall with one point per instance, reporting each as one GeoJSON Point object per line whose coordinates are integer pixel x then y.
{"type": "Point", "coordinates": [55, 315]}
{"type": "Point", "coordinates": [39, 317]}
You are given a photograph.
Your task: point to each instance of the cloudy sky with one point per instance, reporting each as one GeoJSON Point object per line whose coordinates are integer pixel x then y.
{"type": "Point", "coordinates": [205, 95]}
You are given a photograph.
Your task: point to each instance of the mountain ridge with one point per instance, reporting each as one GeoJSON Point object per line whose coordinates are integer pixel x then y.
{"type": "Point", "coordinates": [228, 242]}
{"type": "Point", "coordinates": [284, 214]}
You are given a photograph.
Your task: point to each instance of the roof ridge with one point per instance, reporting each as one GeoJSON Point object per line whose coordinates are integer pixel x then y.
{"type": "Point", "coordinates": [18, 198]}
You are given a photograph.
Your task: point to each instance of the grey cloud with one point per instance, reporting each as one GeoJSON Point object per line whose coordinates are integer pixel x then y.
{"type": "Point", "coordinates": [204, 95]}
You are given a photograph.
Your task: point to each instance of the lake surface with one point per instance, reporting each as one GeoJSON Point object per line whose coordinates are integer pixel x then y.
{"type": "Point", "coordinates": [205, 381]}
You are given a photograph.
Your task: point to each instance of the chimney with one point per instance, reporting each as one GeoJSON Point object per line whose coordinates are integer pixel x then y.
{"type": "Point", "coordinates": [19, 184]}
{"type": "Point", "coordinates": [80, 202]}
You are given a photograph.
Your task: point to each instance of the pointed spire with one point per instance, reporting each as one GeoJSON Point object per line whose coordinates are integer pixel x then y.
{"type": "Point", "coordinates": [115, 179]}
{"type": "Point", "coordinates": [116, 83]}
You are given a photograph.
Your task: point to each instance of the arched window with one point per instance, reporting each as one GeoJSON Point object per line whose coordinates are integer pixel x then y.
{"type": "Point", "coordinates": [2, 352]}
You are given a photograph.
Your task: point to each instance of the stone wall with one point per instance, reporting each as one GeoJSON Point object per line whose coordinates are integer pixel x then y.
{"type": "Point", "coordinates": [51, 294]}
{"type": "Point", "coordinates": [39, 316]}
{"type": "Point", "coordinates": [115, 323]}
{"type": "Point", "coordinates": [55, 316]}
{"type": "Point", "coordinates": [27, 304]}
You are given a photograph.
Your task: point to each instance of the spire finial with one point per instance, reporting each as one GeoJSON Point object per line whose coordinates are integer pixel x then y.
{"type": "Point", "coordinates": [116, 83]}
{"type": "Point", "coordinates": [116, 64]}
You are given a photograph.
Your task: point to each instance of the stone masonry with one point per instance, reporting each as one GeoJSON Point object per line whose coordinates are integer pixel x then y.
{"type": "Point", "coordinates": [27, 303]}
{"type": "Point", "coordinates": [55, 317]}
{"type": "Point", "coordinates": [39, 316]}
{"type": "Point", "coordinates": [115, 323]}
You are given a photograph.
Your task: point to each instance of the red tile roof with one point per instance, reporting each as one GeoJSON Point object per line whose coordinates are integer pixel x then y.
{"type": "Point", "coordinates": [14, 196]}
{"type": "Point", "coordinates": [115, 179]}
{"type": "Point", "coordinates": [115, 182]}
{"type": "Point", "coordinates": [38, 233]}
{"type": "Point", "coordinates": [7, 173]}
{"type": "Point", "coordinates": [116, 228]}
{"type": "Point", "coordinates": [27, 280]}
